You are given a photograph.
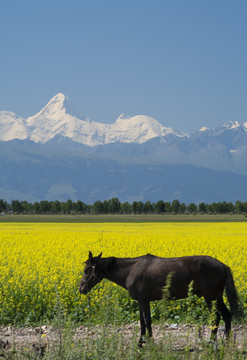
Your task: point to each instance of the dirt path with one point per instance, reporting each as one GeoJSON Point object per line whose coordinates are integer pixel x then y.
{"type": "Point", "coordinates": [178, 336]}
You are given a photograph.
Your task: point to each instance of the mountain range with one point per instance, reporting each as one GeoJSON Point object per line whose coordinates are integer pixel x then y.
{"type": "Point", "coordinates": [59, 154]}
{"type": "Point", "coordinates": [58, 120]}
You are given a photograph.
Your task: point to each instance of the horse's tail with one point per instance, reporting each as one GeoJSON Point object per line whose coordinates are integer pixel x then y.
{"type": "Point", "coordinates": [232, 295]}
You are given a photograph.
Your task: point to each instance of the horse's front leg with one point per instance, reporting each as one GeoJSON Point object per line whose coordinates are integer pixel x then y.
{"type": "Point", "coordinates": [145, 319]}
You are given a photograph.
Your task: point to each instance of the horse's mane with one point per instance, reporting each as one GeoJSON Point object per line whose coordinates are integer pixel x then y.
{"type": "Point", "coordinates": [107, 264]}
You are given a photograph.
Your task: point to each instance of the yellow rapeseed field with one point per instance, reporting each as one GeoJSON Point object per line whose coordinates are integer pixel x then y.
{"type": "Point", "coordinates": [41, 264]}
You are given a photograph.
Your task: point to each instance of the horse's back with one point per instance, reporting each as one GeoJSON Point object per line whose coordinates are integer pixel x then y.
{"type": "Point", "coordinates": [150, 273]}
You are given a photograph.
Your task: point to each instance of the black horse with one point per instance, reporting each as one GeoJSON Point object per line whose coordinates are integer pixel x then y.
{"type": "Point", "coordinates": [146, 276]}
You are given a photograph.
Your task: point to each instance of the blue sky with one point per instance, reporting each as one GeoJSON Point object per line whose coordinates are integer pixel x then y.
{"type": "Point", "coordinates": [182, 62]}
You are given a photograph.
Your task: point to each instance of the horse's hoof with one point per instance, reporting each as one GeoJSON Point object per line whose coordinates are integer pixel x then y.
{"type": "Point", "coordinates": [141, 343]}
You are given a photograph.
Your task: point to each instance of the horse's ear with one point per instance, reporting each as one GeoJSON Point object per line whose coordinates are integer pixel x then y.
{"type": "Point", "coordinates": [99, 256]}
{"type": "Point", "coordinates": [90, 256]}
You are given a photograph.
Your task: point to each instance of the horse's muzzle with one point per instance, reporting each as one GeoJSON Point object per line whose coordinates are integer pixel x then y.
{"type": "Point", "coordinates": [83, 289]}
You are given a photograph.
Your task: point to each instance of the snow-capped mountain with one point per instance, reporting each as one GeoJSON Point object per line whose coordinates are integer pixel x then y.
{"type": "Point", "coordinates": [230, 127]}
{"type": "Point", "coordinates": [140, 137]}
{"type": "Point", "coordinates": [135, 158]}
{"type": "Point", "coordinates": [59, 120]}
{"type": "Point", "coordinates": [12, 126]}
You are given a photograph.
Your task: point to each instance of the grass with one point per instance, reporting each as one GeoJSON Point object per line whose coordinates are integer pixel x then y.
{"type": "Point", "coordinates": [114, 342]}
{"type": "Point", "coordinates": [133, 218]}
{"type": "Point", "coordinates": [108, 339]}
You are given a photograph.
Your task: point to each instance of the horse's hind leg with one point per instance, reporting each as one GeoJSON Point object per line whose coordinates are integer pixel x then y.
{"type": "Point", "coordinates": [145, 319]}
{"type": "Point", "coordinates": [216, 320]}
{"type": "Point", "coordinates": [225, 313]}
{"type": "Point", "coordinates": [142, 322]}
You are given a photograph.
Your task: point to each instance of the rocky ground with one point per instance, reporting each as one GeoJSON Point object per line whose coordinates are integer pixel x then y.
{"type": "Point", "coordinates": [178, 336]}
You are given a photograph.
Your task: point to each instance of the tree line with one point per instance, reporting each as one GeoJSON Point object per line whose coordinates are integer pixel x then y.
{"type": "Point", "coordinates": [114, 206]}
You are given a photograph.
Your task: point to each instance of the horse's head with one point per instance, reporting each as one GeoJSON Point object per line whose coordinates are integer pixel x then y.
{"type": "Point", "coordinates": [92, 274]}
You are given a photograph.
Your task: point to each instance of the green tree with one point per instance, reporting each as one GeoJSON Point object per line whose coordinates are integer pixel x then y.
{"type": "Point", "coordinates": [182, 208]}
{"type": "Point", "coordinates": [16, 206]}
{"type": "Point", "coordinates": [239, 207]}
{"type": "Point", "coordinates": [192, 208]}
{"type": "Point", "coordinates": [160, 207]}
{"type": "Point", "coordinates": [27, 207]}
{"type": "Point", "coordinates": [36, 207]}
{"type": "Point", "coordinates": [80, 207]}
{"type": "Point", "coordinates": [168, 207]}
{"type": "Point", "coordinates": [175, 206]}
{"type": "Point", "coordinates": [55, 207]}
{"type": "Point", "coordinates": [134, 207]}
{"type": "Point", "coordinates": [114, 206]}
{"type": "Point", "coordinates": [3, 205]}
{"type": "Point", "coordinates": [98, 207]}
{"type": "Point", "coordinates": [202, 208]}
{"type": "Point", "coordinates": [69, 206]}
{"type": "Point", "coordinates": [126, 208]}
{"type": "Point", "coordinates": [230, 207]}
{"type": "Point", "coordinates": [222, 207]}
{"type": "Point", "coordinates": [212, 208]}
{"type": "Point", "coordinates": [105, 207]}
{"type": "Point", "coordinates": [244, 204]}
{"type": "Point", "coordinates": [45, 207]}
{"type": "Point", "coordinates": [148, 208]}
{"type": "Point", "coordinates": [139, 207]}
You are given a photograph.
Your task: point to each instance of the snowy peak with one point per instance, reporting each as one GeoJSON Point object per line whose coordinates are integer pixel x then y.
{"type": "Point", "coordinates": [204, 128]}
{"type": "Point", "coordinates": [225, 129]}
{"type": "Point", "coordinates": [235, 125]}
{"type": "Point", "coordinates": [12, 126]}
{"type": "Point", "coordinates": [57, 107]}
{"type": "Point", "coordinates": [230, 126]}
{"type": "Point", "coordinates": [139, 128]}
{"type": "Point", "coordinates": [143, 122]}
{"type": "Point", "coordinates": [58, 121]}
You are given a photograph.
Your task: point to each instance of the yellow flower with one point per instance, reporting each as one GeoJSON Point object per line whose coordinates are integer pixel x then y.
{"type": "Point", "coordinates": [41, 264]}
